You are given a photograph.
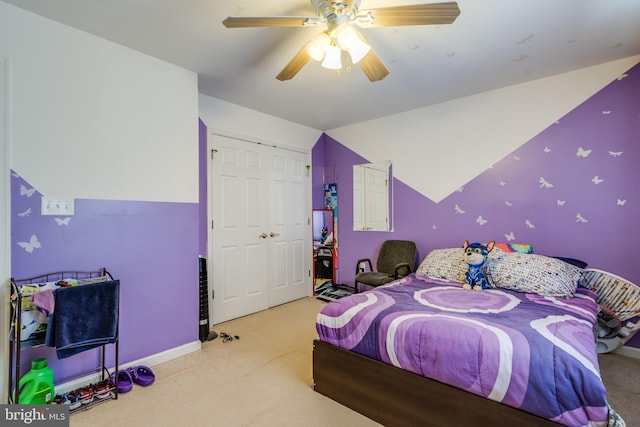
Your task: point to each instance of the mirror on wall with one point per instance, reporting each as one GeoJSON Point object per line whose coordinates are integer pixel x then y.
{"type": "Point", "coordinates": [323, 247]}
{"type": "Point", "coordinates": [372, 197]}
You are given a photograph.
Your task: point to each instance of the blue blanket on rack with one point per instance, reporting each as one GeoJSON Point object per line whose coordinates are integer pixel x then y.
{"type": "Point", "coordinates": [85, 317]}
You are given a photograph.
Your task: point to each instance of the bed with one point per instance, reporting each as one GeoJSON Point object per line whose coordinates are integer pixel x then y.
{"type": "Point", "coordinates": [424, 351]}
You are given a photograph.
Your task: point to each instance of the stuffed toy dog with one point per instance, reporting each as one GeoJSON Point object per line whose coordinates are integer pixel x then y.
{"type": "Point", "coordinates": [475, 255]}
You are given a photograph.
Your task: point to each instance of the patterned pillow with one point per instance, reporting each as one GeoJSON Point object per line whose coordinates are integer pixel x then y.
{"type": "Point", "coordinates": [532, 273]}
{"type": "Point", "coordinates": [515, 247]}
{"type": "Point", "coordinates": [449, 264]}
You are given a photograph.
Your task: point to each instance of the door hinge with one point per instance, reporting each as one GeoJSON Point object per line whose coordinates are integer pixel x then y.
{"type": "Point", "coordinates": [213, 294]}
{"type": "Point", "coordinates": [309, 273]}
{"type": "Point", "coordinates": [212, 225]}
{"type": "Point", "coordinates": [213, 152]}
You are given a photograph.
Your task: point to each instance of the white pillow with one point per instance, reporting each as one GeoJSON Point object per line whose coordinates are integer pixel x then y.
{"type": "Point", "coordinates": [449, 264]}
{"type": "Point", "coordinates": [533, 274]}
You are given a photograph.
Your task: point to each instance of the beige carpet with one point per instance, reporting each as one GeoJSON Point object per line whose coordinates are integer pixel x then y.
{"type": "Point", "coordinates": [262, 379]}
{"type": "Point", "coordinates": [265, 379]}
{"type": "Point", "coordinates": [621, 376]}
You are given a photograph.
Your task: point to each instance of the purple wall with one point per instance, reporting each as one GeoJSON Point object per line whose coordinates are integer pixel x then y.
{"type": "Point", "coordinates": [317, 173]}
{"type": "Point", "coordinates": [570, 191]}
{"type": "Point", "coordinates": [202, 188]}
{"type": "Point", "coordinates": [151, 247]}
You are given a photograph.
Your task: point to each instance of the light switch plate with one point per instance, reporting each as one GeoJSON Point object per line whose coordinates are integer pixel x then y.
{"type": "Point", "coordinates": [60, 206]}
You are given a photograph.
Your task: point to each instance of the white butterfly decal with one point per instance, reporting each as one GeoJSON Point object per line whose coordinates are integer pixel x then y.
{"type": "Point", "coordinates": [502, 183]}
{"type": "Point", "coordinates": [459, 190]}
{"type": "Point", "coordinates": [615, 153]}
{"type": "Point", "coordinates": [544, 183]}
{"type": "Point", "coordinates": [529, 224]}
{"type": "Point", "coordinates": [560, 202]}
{"type": "Point", "coordinates": [606, 112]}
{"type": "Point", "coordinates": [25, 213]}
{"type": "Point", "coordinates": [481, 220]}
{"type": "Point", "coordinates": [580, 218]}
{"type": "Point", "coordinates": [622, 76]}
{"type": "Point", "coordinates": [63, 221]}
{"type": "Point", "coordinates": [24, 191]}
{"type": "Point", "coordinates": [434, 227]}
{"type": "Point", "coordinates": [459, 210]}
{"type": "Point", "coordinates": [582, 152]}
{"type": "Point", "coordinates": [32, 244]}
{"type": "Point", "coordinates": [508, 203]}
{"type": "Point", "coordinates": [621, 202]}
{"type": "Point", "coordinates": [597, 180]}
{"type": "Point", "coordinates": [547, 149]}
{"type": "Point", "coordinates": [516, 157]}
{"type": "Point", "coordinates": [527, 39]}
{"type": "Point", "coordinates": [509, 236]}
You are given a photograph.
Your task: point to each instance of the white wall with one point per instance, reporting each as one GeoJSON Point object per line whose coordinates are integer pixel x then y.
{"type": "Point", "coordinates": [437, 149]}
{"type": "Point", "coordinates": [92, 119]}
{"type": "Point", "coordinates": [233, 120]}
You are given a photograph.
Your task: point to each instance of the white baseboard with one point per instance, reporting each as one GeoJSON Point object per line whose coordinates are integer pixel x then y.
{"type": "Point", "coordinates": [154, 359]}
{"type": "Point", "coordinates": [628, 352]}
{"type": "Point", "coordinates": [166, 355]}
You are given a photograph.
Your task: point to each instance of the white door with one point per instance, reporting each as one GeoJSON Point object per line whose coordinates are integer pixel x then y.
{"type": "Point", "coordinates": [289, 230]}
{"type": "Point", "coordinates": [371, 197]}
{"type": "Point", "coordinates": [259, 246]}
{"type": "Point", "coordinates": [5, 221]}
{"type": "Point", "coordinates": [377, 190]}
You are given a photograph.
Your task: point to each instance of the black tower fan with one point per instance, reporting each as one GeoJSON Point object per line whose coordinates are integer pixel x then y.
{"type": "Point", "coordinates": [205, 334]}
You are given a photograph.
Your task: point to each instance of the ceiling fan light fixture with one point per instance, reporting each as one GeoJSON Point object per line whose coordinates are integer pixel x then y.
{"type": "Point", "coordinates": [317, 46]}
{"type": "Point", "coordinates": [340, 18]}
{"type": "Point", "coordinates": [349, 40]}
{"type": "Point", "coordinates": [346, 36]}
{"type": "Point", "coordinates": [359, 51]}
{"type": "Point", "coordinates": [332, 57]}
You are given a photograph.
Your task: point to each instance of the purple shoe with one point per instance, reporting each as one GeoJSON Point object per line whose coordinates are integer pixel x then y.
{"type": "Point", "coordinates": [125, 383]}
{"type": "Point", "coordinates": [142, 375]}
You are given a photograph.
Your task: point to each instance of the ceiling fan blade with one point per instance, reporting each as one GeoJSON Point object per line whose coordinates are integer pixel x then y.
{"type": "Point", "coordinates": [270, 21]}
{"type": "Point", "coordinates": [295, 65]}
{"type": "Point", "coordinates": [373, 67]}
{"type": "Point", "coordinates": [421, 14]}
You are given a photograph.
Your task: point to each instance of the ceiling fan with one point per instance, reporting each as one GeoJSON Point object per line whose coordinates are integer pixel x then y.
{"type": "Point", "coordinates": [341, 35]}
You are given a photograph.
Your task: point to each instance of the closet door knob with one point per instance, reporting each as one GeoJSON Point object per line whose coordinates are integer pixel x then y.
{"type": "Point", "coordinates": [263, 235]}
{"type": "Point", "coordinates": [272, 234]}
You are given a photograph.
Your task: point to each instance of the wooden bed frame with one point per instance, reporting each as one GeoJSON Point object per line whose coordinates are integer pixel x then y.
{"type": "Point", "coordinates": [395, 398]}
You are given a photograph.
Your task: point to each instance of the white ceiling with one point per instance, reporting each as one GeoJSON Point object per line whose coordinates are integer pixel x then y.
{"type": "Point", "coordinates": [492, 44]}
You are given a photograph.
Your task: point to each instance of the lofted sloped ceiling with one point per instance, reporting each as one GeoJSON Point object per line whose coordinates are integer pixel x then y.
{"type": "Point", "coordinates": [492, 44]}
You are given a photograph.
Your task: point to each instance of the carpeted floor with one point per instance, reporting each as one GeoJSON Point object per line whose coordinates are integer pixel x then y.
{"type": "Point", "coordinates": [621, 376]}
{"type": "Point", "coordinates": [265, 379]}
{"type": "Point", "coordinates": [262, 379]}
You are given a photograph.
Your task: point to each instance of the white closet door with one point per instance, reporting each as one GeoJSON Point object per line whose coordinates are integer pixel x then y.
{"type": "Point", "coordinates": [239, 249]}
{"type": "Point", "coordinates": [259, 245]}
{"type": "Point", "coordinates": [289, 231]}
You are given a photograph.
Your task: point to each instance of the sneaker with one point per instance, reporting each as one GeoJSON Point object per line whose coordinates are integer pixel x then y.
{"type": "Point", "coordinates": [85, 394]}
{"type": "Point", "coordinates": [73, 400]}
{"type": "Point", "coordinates": [101, 389]}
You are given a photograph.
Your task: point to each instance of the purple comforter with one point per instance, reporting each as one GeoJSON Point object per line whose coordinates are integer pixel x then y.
{"type": "Point", "coordinates": [528, 351]}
